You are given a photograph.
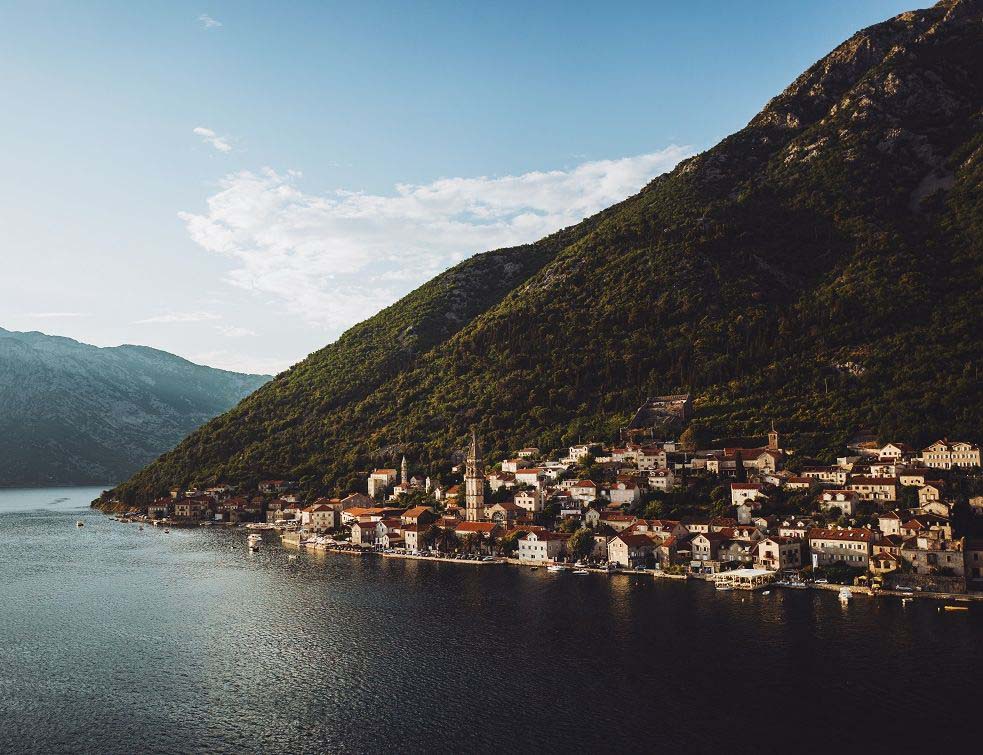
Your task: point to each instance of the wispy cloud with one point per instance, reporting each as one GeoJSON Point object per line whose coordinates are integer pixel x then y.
{"type": "Point", "coordinates": [221, 143]}
{"type": "Point", "coordinates": [173, 317]}
{"type": "Point", "coordinates": [208, 22]}
{"type": "Point", "coordinates": [234, 331]}
{"type": "Point", "coordinates": [57, 315]}
{"type": "Point", "coordinates": [337, 259]}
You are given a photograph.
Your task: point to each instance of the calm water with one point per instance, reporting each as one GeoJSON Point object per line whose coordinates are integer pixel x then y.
{"type": "Point", "coordinates": [115, 640]}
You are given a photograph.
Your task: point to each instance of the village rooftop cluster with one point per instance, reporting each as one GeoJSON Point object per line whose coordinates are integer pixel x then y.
{"type": "Point", "coordinates": [880, 516]}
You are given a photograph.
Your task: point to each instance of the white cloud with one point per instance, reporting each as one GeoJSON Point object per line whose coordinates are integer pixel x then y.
{"type": "Point", "coordinates": [221, 143]}
{"type": "Point", "coordinates": [57, 315]}
{"type": "Point", "coordinates": [208, 22]}
{"type": "Point", "coordinates": [337, 259]}
{"type": "Point", "coordinates": [234, 331]}
{"type": "Point", "coordinates": [172, 317]}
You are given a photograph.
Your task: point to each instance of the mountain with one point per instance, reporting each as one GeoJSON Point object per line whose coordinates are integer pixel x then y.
{"type": "Point", "coordinates": [71, 413]}
{"type": "Point", "coordinates": [820, 269]}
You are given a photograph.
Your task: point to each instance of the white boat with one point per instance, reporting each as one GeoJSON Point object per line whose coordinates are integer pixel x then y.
{"type": "Point", "coordinates": [254, 541]}
{"type": "Point", "coordinates": [724, 588]}
{"type": "Point", "coordinates": [292, 557]}
{"type": "Point", "coordinates": [79, 523]}
{"type": "Point", "coordinates": [581, 571]}
{"type": "Point", "coordinates": [555, 568]}
{"type": "Point", "coordinates": [766, 592]}
{"type": "Point", "coordinates": [845, 594]}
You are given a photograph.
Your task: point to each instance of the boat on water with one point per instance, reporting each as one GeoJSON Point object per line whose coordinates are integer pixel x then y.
{"type": "Point", "coordinates": [253, 541]}
{"type": "Point", "coordinates": [292, 557]}
{"type": "Point", "coordinates": [533, 568]}
{"type": "Point", "coordinates": [845, 595]}
{"type": "Point", "coordinates": [581, 571]}
{"type": "Point", "coordinates": [724, 588]}
{"type": "Point", "coordinates": [766, 592]}
{"type": "Point", "coordinates": [955, 608]}
{"type": "Point", "coordinates": [556, 568]}
{"type": "Point", "coordinates": [796, 585]}
{"type": "Point", "coordinates": [79, 523]}
{"type": "Point", "coordinates": [167, 531]}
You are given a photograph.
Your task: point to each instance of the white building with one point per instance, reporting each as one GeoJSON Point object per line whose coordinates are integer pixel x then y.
{"type": "Point", "coordinates": [541, 547]}
{"type": "Point", "coordinates": [380, 481]}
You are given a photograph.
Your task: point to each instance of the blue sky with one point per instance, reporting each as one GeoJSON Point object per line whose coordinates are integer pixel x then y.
{"type": "Point", "coordinates": [237, 182]}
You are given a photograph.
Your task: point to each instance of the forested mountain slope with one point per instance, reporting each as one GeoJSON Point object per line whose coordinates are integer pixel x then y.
{"type": "Point", "coordinates": [820, 268]}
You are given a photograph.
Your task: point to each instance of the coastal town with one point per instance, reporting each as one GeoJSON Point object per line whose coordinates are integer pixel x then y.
{"type": "Point", "coordinates": [885, 517]}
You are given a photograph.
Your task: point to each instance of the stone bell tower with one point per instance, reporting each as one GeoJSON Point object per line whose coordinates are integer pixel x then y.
{"type": "Point", "coordinates": [773, 438]}
{"type": "Point", "coordinates": [474, 482]}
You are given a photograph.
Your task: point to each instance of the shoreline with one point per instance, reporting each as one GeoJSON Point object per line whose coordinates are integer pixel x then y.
{"type": "Point", "coordinates": [856, 590]}
{"type": "Point", "coordinates": [654, 574]}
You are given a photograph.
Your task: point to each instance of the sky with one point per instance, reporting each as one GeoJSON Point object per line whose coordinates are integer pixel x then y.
{"type": "Point", "coordinates": [239, 182]}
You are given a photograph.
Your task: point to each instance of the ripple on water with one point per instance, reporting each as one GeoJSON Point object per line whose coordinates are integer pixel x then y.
{"type": "Point", "coordinates": [117, 640]}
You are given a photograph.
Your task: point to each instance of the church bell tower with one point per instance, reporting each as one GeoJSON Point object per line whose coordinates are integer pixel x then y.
{"type": "Point", "coordinates": [773, 438]}
{"type": "Point", "coordinates": [474, 482]}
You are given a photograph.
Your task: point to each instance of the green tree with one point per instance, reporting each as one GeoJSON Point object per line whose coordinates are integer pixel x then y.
{"type": "Point", "coordinates": [510, 543]}
{"type": "Point", "coordinates": [908, 499]}
{"type": "Point", "coordinates": [432, 536]}
{"type": "Point", "coordinates": [448, 541]}
{"type": "Point", "coordinates": [695, 437]}
{"type": "Point", "coordinates": [569, 525]}
{"type": "Point", "coordinates": [581, 544]}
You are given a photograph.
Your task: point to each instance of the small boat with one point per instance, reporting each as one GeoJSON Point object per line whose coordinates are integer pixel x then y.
{"type": "Point", "coordinates": [556, 568]}
{"type": "Point", "coordinates": [724, 588]}
{"type": "Point", "coordinates": [845, 595]}
{"type": "Point", "coordinates": [797, 585]}
{"type": "Point", "coordinates": [766, 592]}
{"type": "Point", "coordinates": [253, 541]}
{"type": "Point", "coordinates": [956, 608]}
{"type": "Point", "coordinates": [167, 531]}
{"type": "Point", "coordinates": [292, 557]}
{"type": "Point", "coordinates": [533, 568]}
{"type": "Point", "coordinates": [79, 523]}
{"type": "Point", "coordinates": [581, 571]}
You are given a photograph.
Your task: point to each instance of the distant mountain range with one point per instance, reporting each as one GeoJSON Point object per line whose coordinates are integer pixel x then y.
{"type": "Point", "coordinates": [821, 269]}
{"type": "Point", "coordinates": [71, 413]}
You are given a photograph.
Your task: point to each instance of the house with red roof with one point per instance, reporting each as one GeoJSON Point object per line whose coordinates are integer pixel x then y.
{"type": "Point", "coordinates": [633, 550]}
{"type": "Point", "coordinates": [541, 547]}
{"type": "Point", "coordinates": [852, 546]}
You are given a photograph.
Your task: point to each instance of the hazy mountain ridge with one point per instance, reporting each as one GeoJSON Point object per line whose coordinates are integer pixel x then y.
{"type": "Point", "coordinates": [71, 413]}
{"type": "Point", "coordinates": [819, 268]}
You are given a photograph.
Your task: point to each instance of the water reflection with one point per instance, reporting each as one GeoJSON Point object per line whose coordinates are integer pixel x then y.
{"type": "Point", "coordinates": [125, 641]}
